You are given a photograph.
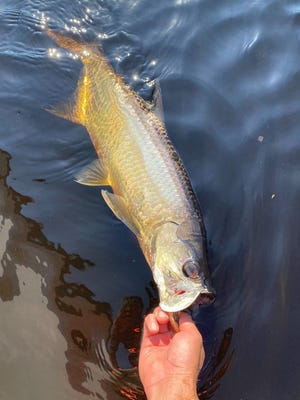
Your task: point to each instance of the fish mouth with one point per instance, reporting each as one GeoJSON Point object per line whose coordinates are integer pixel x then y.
{"type": "Point", "coordinates": [207, 298]}
{"type": "Point", "coordinates": [180, 302]}
{"type": "Point", "coordinates": [181, 289]}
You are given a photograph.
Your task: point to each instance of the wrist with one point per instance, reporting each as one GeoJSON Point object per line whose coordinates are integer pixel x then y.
{"type": "Point", "coordinates": [177, 388]}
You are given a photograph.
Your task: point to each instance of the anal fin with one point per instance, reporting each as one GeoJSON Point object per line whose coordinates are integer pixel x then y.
{"type": "Point", "coordinates": [75, 108]}
{"type": "Point", "coordinates": [94, 174]}
{"type": "Point", "coordinates": [66, 111]}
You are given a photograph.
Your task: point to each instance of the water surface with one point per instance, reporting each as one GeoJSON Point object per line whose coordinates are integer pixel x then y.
{"type": "Point", "coordinates": [74, 285]}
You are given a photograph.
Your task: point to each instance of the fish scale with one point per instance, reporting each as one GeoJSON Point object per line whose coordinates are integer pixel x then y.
{"type": "Point", "coordinates": [145, 170]}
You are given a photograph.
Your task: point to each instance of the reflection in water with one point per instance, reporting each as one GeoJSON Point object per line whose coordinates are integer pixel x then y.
{"type": "Point", "coordinates": [126, 330]}
{"type": "Point", "coordinates": [217, 367]}
{"type": "Point", "coordinates": [49, 324]}
{"type": "Point", "coordinates": [54, 331]}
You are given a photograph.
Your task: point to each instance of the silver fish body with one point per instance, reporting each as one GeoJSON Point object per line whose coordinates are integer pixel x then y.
{"type": "Point", "coordinates": [151, 191]}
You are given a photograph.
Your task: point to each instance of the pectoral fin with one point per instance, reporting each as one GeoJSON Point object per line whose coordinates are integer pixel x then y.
{"type": "Point", "coordinates": [94, 174]}
{"type": "Point", "coordinates": [118, 207]}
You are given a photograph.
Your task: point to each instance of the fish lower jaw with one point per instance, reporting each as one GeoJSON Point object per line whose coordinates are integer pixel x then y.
{"type": "Point", "coordinates": [167, 308]}
{"type": "Point", "coordinates": [180, 305]}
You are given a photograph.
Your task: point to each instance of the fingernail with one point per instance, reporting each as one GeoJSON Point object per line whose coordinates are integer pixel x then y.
{"type": "Point", "coordinates": [153, 326]}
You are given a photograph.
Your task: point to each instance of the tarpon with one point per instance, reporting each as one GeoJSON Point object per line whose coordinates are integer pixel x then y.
{"type": "Point", "coordinates": [151, 192]}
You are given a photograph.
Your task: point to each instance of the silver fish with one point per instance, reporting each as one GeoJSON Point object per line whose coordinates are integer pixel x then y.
{"type": "Point", "coordinates": [151, 191]}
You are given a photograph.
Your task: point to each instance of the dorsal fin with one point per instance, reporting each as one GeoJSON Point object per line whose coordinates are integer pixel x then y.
{"type": "Point", "coordinates": [157, 105]}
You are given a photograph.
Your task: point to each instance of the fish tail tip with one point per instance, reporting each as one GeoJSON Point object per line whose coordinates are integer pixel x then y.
{"type": "Point", "coordinates": [64, 41]}
{"type": "Point", "coordinates": [75, 46]}
{"type": "Point", "coordinates": [57, 37]}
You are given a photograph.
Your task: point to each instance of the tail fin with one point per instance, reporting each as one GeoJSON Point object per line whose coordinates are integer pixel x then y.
{"type": "Point", "coordinates": [75, 109]}
{"type": "Point", "coordinates": [81, 49]}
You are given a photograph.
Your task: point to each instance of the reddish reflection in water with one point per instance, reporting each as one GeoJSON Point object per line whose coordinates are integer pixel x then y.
{"type": "Point", "coordinates": [126, 330]}
{"type": "Point", "coordinates": [71, 322]}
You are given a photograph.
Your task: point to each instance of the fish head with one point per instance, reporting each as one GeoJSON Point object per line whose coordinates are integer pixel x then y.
{"type": "Point", "coordinates": [180, 268]}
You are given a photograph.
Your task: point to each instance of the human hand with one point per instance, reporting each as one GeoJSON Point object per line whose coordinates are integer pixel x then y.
{"type": "Point", "coordinates": [169, 362]}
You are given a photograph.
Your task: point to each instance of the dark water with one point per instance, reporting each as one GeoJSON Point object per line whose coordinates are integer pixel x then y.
{"type": "Point", "coordinates": [73, 283]}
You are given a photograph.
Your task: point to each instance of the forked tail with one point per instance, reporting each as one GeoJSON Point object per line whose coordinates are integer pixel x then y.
{"type": "Point", "coordinates": [83, 50]}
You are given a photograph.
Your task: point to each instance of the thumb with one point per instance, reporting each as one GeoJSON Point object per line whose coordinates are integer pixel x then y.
{"type": "Point", "coordinates": [186, 324]}
{"type": "Point", "coordinates": [194, 341]}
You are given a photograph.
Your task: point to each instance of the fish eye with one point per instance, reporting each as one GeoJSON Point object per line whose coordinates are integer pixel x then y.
{"type": "Point", "coordinates": [191, 269]}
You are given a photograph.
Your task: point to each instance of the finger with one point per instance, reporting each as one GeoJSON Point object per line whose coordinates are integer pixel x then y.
{"type": "Point", "coordinates": [161, 316]}
{"type": "Point", "coordinates": [151, 326]}
{"type": "Point", "coordinates": [185, 317]}
{"type": "Point", "coordinates": [187, 325]}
